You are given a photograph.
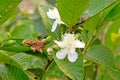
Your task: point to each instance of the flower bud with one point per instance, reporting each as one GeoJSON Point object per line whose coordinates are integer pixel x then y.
{"type": "Point", "coordinates": [78, 36]}
{"type": "Point", "coordinates": [48, 39]}
{"type": "Point", "coordinates": [50, 51]}
{"type": "Point", "coordinates": [9, 35]}
{"type": "Point", "coordinates": [10, 42]}
{"type": "Point", "coordinates": [56, 48]}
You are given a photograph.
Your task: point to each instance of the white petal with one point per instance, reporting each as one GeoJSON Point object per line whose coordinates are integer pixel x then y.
{"type": "Point", "coordinates": [54, 26]}
{"type": "Point", "coordinates": [72, 56]}
{"type": "Point", "coordinates": [59, 21]}
{"type": "Point", "coordinates": [50, 14]}
{"type": "Point", "coordinates": [79, 44]}
{"type": "Point", "coordinates": [60, 44]}
{"type": "Point", "coordinates": [61, 54]}
{"type": "Point", "coordinates": [53, 13]}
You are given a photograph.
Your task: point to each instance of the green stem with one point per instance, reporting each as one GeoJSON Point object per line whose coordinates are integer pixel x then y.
{"type": "Point", "coordinates": [48, 65]}
{"type": "Point", "coordinates": [88, 45]}
{"type": "Point", "coordinates": [93, 38]}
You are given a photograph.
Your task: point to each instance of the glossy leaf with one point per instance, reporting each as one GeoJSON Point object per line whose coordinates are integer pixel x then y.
{"type": "Point", "coordinates": [14, 70]}
{"type": "Point", "coordinates": [7, 9]}
{"type": "Point", "coordinates": [71, 13]}
{"type": "Point", "coordinates": [74, 70]}
{"type": "Point", "coordinates": [114, 13]}
{"type": "Point", "coordinates": [29, 61]}
{"type": "Point", "coordinates": [15, 73]}
{"type": "Point", "coordinates": [101, 54]}
{"type": "Point", "coordinates": [14, 45]}
{"type": "Point", "coordinates": [8, 60]}
{"type": "Point", "coordinates": [97, 6]}
{"type": "Point", "coordinates": [3, 73]}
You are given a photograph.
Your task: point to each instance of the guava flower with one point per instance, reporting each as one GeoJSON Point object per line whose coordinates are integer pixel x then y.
{"type": "Point", "coordinates": [68, 45]}
{"type": "Point", "coordinates": [54, 14]}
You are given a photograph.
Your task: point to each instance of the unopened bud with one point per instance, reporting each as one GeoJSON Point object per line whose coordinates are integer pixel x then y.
{"type": "Point", "coordinates": [56, 48]}
{"type": "Point", "coordinates": [50, 51]}
{"type": "Point", "coordinates": [10, 42]}
{"type": "Point", "coordinates": [9, 35]}
{"type": "Point", "coordinates": [78, 36]}
{"type": "Point", "coordinates": [48, 39]}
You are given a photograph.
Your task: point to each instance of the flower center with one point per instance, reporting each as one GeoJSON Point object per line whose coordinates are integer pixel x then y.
{"type": "Point", "coordinates": [69, 42]}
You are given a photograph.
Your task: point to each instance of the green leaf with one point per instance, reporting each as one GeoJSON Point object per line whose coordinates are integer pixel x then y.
{"type": "Point", "coordinates": [7, 9]}
{"type": "Point", "coordinates": [92, 23]}
{"type": "Point", "coordinates": [14, 70]}
{"type": "Point", "coordinates": [99, 20]}
{"type": "Point", "coordinates": [97, 6]}
{"type": "Point", "coordinates": [101, 54]}
{"type": "Point", "coordinates": [114, 28]}
{"type": "Point", "coordinates": [8, 60]}
{"type": "Point", "coordinates": [115, 74]}
{"type": "Point", "coordinates": [15, 45]}
{"type": "Point", "coordinates": [39, 26]}
{"type": "Point", "coordinates": [29, 61]}
{"type": "Point", "coordinates": [35, 72]}
{"type": "Point", "coordinates": [3, 74]}
{"type": "Point", "coordinates": [14, 73]}
{"type": "Point", "coordinates": [71, 10]}
{"type": "Point", "coordinates": [74, 70]}
{"type": "Point", "coordinates": [25, 31]}
{"type": "Point", "coordinates": [89, 72]}
{"type": "Point", "coordinates": [114, 13]}
{"type": "Point", "coordinates": [53, 72]}
{"type": "Point", "coordinates": [52, 1]}
{"type": "Point", "coordinates": [117, 58]}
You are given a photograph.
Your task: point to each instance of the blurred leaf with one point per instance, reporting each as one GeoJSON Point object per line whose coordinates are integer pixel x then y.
{"type": "Point", "coordinates": [101, 54]}
{"type": "Point", "coordinates": [14, 45]}
{"type": "Point", "coordinates": [108, 37]}
{"type": "Point", "coordinates": [102, 73]}
{"type": "Point", "coordinates": [74, 70]}
{"type": "Point", "coordinates": [15, 73]}
{"type": "Point", "coordinates": [97, 6]}
{"type": "Point", "coordinates": [115, 37]}
{"type": "Point", "coordinates": [117, 58]}
{"type": "Point", "coordinates": [51, 1]}
{"type": "Point", "coordinates": [29, 61]}
{"type": "Point", "coordinates": [25, 31]}
{"type": "Point", "coordinates": [89, 73]}
{"type": "Point", "coordinates": [7, 9]}
{"type": "Point", "coordinates": [71, 13]}
{"type": "Point", "coordinates": [39, 26]}
{"type": "Point", "coordinates": [115, 74]}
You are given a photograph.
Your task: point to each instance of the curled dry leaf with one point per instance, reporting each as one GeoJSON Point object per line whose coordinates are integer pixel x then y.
{"type": "Point", "coordinates": [35, 45]}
